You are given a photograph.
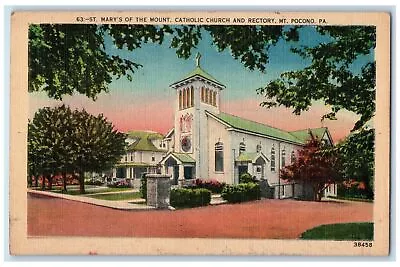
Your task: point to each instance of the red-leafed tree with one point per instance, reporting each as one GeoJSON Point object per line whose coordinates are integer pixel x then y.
{"type": "Point", "coordinates": [314, 166]}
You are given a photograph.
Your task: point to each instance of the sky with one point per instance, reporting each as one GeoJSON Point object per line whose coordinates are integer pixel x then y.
{"type": "Point", "coordinates": [146, 103]}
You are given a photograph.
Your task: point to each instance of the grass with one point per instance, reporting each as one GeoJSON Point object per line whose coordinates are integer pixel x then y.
{"type": "Point", "coordinates": [90, 190]}
{"type": "Point", "coordinates": [105, 190]}
{"type": "Point", "coordinates": [343, 231]}
{"type": "Point", "coordinates": [118, 196]}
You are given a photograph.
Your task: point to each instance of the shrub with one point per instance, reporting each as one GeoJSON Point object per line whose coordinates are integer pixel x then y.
{"type": "Point", "coordinates": [213, 185]}
{"type": "Point", "coordinates": [241, 192]}
{"type": "Point", "coordinates": [353, 191]}
{"type": "Point", "coordinates": [246, 178]}
{"type": "Point", "coordinates": [143, 186]}
{"type": "Point", "coordinates": [189, 198]}
{"type": "Point", "coordinates": [120, 184]}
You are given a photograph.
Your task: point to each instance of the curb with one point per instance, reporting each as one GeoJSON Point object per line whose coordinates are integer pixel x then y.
{"type": "Point", "coordinates": [119, 205]}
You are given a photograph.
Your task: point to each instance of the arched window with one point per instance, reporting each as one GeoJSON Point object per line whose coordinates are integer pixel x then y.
{"type": "Point", "coordinates": [219, 157]}
{"type": "Point", "coordinates": [183, 98]}
{"type": "Point", "coordinates": [273, 159]}
{"type": "Point", "coordinates": [258, 148]}
{"type": "Point", "coordinates": [242, 147]}
{"type": "Point", "coordinates": [283, 158]}
{"type": "Point", "coordinates": [202, 94]}
{"type": "Point", "coordinates": [188, 97]}
{"type": "Point", "coordinates": [191, 96]}
{"type": "Point", "coordinates": [207, 93]}
{"type": "Point", "coordinates": [215, 99]}
{"type": "Point", "coordinates": [210, 93]}
{"type": "Point", "coordinates": [292, 157]}
{"type": "Point", "coordinates": [180, 99]}
{"type": "Point", "coordinates": [211, 97]}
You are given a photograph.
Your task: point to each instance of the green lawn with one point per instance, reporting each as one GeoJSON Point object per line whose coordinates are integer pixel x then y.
{"type": "Point", "coordinates": [118, 196]}
{"type": "Point", "coordinates": [344, 231]}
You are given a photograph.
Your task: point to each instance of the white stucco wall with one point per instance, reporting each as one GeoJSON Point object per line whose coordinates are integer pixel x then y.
{"type": "Point", "coordinates": [199, 131]}
{"type": "Point", "coordinates": [252, 141]}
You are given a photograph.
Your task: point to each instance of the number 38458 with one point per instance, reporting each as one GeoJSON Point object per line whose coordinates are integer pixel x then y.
{"type": "Point", "coordinates": [363, 244]}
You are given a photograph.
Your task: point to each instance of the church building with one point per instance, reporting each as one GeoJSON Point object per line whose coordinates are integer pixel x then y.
{"type": "Point", "coordinates": [207, 143]}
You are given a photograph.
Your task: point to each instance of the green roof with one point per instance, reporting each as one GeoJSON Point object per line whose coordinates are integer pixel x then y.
{"type": "Point", "coordinates": [255, 127]}
{"type": "Point", "coordinates": [299, 137]}
{"type": "Point", "coordinates": [199, 71]}
{"type": "Point", "coordinates": [304, 135]}
{"type": "Point", "coordinates": [143, 141]}
{"type": "Point", "coordinates": [184, 158]}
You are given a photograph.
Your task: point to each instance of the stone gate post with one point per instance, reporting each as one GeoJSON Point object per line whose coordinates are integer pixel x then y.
{"type": "Point", "coordinates": [158, 190]}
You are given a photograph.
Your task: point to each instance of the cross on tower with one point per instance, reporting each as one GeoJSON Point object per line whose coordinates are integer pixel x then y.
{"type": "Point", "coordinates": [198, 56]}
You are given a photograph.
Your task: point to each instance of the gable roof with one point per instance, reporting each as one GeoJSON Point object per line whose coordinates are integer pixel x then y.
{"type": "Point", "coordinates": [143, 141]}
{"type": "Point", "coordinates": [297, 137]}
{"type": "Point", "coordinates": [251, 157]}
{"type": "Point", "coordinates": [180, 157]}
{"type": "Point", "coordinates": [304, 135]}
{"type": "Point", "coordinates": [198, 71]}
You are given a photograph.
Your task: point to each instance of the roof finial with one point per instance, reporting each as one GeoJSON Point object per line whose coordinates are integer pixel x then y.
{"type": "Point", "coordinates": [198, 56]}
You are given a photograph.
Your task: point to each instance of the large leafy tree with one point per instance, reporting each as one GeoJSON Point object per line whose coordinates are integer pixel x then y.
{"type": "Point", "coordinates": [49, 143]}
{"type": "Point", "coordinates": [62, 141]}
{"type": "Point", "coordinates": [314, 166]}
{"type": "Point", "coordinates": [357, 158]}
{"type": "Point", "coordinates": [331, 76]}
{"type": "Point", "coordinates": [97, 145]}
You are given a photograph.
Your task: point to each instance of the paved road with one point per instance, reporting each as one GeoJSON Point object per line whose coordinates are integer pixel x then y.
{"type": "Point", "coordinates": [260, 219]}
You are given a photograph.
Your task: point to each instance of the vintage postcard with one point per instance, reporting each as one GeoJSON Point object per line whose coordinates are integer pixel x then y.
{"type": "Point", "coordinates": [199, 133]}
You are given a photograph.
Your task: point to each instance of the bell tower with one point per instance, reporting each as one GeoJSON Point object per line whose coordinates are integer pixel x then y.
{"type": "Point", "coordinates": [196, 93]}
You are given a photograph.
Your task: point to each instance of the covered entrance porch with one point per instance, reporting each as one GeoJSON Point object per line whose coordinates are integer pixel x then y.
{"type": "Point", "coordinates": [180, 166]}
{"type": "Point", "coordinates": [253, 163]}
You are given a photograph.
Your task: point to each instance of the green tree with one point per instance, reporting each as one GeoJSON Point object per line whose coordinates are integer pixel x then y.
{"type": "Point", "coordinates": [356, 153]}
{"type": "Point", "coordinates": [49, 144]}
{"type": "Point", "coordinates": [331, 76]}
{"type": "Point", "coordinates": [97, 145]}
{"type": "Point", "coordinates": [314, 166]}
{"type": "Point", "coordinates": [64, 141]}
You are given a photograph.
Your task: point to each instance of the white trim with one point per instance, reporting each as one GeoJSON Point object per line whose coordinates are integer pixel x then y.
{"type": "Point", "coordinates": [199, 78]}
{"type": "Point", "coordinates": [169, 133]}
{"type": "Point", "coordinates": [262, 156]}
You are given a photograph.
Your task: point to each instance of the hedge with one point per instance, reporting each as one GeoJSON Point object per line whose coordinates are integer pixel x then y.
{"type": "Point", "coordinates": [241, 192]}
{"type": "Point", "coordinates": [189, 198]}
{"type": "Point", "coordinates": [353, 192]}
{"type": "Point", "coordinates": [246, 178]}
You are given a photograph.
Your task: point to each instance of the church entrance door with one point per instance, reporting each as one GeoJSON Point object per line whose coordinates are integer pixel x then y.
{"type": "Point", "coordinates": [243, 169]}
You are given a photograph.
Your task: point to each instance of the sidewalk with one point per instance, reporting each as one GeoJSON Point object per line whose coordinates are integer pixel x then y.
{"type": "Point", "coordinates": [121, 205]}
